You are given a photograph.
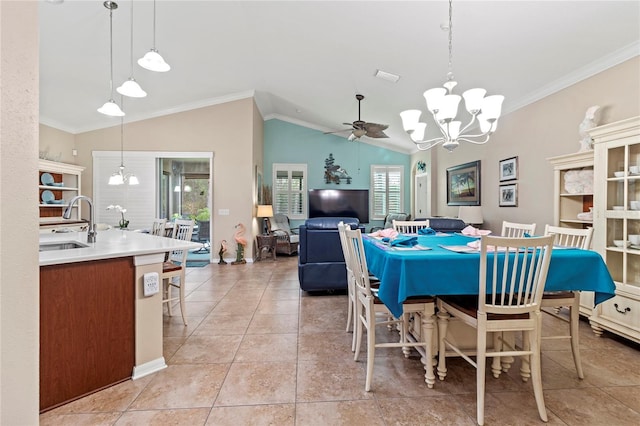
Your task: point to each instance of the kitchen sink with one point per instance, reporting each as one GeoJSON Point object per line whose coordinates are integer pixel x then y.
{"type": "Point", "coordinates": [62, 245]}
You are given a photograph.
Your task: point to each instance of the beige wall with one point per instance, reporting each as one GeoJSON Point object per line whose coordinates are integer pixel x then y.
{"type": "Point", "coordinates": [546, 128]}
{"type": "Point", "coordinates": [19, 274]}
{"type": "Point", "coordinates": [227, 130]}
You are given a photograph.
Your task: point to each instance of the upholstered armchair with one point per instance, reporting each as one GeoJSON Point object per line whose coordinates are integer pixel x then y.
{"type": "Point", "coordinates": [286, 238]}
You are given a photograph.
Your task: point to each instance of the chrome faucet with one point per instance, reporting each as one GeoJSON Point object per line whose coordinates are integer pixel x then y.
{"type": "Point", "coordinates": [91, 233]}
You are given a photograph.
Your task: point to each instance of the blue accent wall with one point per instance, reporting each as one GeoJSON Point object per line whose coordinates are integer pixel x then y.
{"type": "Point", "coordinates": [290, 143]}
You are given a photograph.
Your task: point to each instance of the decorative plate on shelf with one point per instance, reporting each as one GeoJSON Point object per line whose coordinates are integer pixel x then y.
{"type": "Point", "coordinates": [47, 196]}
{"type": "Point", "coordinates": [46, 179]}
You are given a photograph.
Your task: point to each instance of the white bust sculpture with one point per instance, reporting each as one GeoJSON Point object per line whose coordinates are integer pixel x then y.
{"type": "Point", "coordinates": [589, 122]}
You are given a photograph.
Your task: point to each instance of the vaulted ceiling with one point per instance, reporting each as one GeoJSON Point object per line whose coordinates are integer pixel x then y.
{"type": "Point", "coordinates": [304, 61]}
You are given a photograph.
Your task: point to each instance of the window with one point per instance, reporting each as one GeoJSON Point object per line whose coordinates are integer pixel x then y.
{"type": "Point", "coordinates": [386, 189]}
{"type": "Point", "coordinates": [290, 190]}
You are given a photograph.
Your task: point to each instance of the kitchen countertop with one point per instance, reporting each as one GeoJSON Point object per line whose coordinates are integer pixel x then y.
{"type": "Point", "coordinates": [109, 244]}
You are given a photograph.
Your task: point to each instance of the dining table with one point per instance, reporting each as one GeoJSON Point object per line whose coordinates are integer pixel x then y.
{"type": "Point", "coordinates": [449, 264]}
{"type": "Point", "coordinates": [446, 264]}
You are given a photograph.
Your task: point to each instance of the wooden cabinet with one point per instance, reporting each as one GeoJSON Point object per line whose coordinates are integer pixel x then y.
{"type": "Point", "coordinates": [573, 186]}
{"type": "Point", "coordinates": [86, 328]}
{"type": "Point", "coordinates": [61, 181]}
{"type": "Point", "coordinates": [617, 221]}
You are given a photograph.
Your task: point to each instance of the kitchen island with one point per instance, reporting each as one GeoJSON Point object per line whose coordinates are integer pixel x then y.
{"type": "Point", "coordinates": [97, 328]}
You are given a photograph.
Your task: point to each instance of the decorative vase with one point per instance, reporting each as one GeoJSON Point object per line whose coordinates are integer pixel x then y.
{"type": "Point", "coordinates": [124, 224]}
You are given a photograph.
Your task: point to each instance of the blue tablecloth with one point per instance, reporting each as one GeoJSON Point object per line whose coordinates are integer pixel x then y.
{"type": "Point", "coordinates": [438, 271]}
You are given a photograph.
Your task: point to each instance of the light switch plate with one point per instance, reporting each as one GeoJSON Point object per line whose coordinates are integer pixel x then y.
{"type": "Point", "coordinates": [151, 284]}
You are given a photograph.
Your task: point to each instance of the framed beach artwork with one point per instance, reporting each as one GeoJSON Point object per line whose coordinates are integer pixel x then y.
{"type": "Point", "coordinates": [463, 184]}
{"type": "Point", "coordinates": [509, 169]}
{"type": "Point", "coordinates": [508, 195]}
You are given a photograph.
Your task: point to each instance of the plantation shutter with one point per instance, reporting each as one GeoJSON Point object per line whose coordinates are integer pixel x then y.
{"type": "Point", "coordinates": [289, 190]}
{"type": "Point", "coordinates": [386, 187]}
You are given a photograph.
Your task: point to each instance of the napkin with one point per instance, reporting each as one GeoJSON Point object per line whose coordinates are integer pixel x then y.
{"type": "Point", "coordinates": [426, 231]}
{"type": "Point", "coordinates": [474, 232]}
{"type": "Point", "coordinates": [388, 233]}
{"type": "Point", "coordinates": [404, 241]}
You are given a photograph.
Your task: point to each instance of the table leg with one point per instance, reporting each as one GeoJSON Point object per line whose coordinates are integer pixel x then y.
{"type": "Point", "coordinates": [428, 326]}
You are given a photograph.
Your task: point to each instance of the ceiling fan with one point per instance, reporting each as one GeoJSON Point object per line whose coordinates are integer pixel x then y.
{"type": "Point", "coordinates": [361, 128]}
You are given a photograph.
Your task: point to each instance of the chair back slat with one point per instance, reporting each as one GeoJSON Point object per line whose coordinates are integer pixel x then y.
{"type": "Point", "coordinates": [182, 230]}
{"type": "Point", "coordinates": [358, 261]}
{"type": "Point", "coordinates": [570, 237]}
{"type": "Point", "coordinates": [158, 227]}
{"type": "Point", "coordinates": [517, 230]}
{"type": "Point", "coordinates": [517, 270]}
{"type": "Point", "coordinates": [409, 226]}
{"type": "Point", "coordinates": [342, 228]}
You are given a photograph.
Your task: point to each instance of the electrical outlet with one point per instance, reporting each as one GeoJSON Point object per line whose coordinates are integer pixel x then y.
{"type": "Point", "coordinates": [151, 284]}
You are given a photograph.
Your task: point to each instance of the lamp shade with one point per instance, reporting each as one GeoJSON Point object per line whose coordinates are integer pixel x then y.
{"type": "Point", "coordinates": [264, 211]}
{"type": "Point", "coordinates": [152, 61]}
{"type": "Point", "coordinates": [471, 215]}
{"type": "Point", "coordinates": [132, 89]}
{"type": "Point", "coordinates": [111, 108]}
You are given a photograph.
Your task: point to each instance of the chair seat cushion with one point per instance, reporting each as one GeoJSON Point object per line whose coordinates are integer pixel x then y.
{"type": "Point", "coordinates": [170, 267]}
{"type": "Point", "coordinates": [469, 306]}
{"type": "Point", "coordinates": [418, 299]}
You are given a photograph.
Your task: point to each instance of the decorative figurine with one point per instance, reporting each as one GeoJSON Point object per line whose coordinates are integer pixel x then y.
{"type": "Point", "coordinates": [241, 242]}
{"type": "Point", "coordinates": [589, 122]}
{"type": "Point", "coordinates": [223, 250]}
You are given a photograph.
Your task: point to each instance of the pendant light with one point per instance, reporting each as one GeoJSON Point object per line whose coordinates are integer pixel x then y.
{"type": "Point", "coordinates": [131, 87]}
{"type": "Point", "coordinates": [443, 106]}
{"type": "Point", "coordinates": [110, 107]}
{"type": "Point", "coordinates": [152, 61]}
{"type": "Point", "coordinates": [120, 177]}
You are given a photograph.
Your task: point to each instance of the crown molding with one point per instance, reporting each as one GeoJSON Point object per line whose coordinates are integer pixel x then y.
{"type": "Point", "coordinates": [614, 58]}
{"type": "Point", "coordinates": [139, 117]}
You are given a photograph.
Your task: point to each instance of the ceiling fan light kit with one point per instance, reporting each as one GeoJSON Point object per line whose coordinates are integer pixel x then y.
{"type": "Point", "coordinates": [443, 106]}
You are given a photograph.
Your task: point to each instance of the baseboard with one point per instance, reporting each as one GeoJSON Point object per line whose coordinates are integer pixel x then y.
{"type": "Point", "coordinates": [140, 371]}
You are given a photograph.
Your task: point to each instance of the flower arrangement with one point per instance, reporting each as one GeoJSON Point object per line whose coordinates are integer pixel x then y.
{"type": "Point", "coordinates": [124, 223]}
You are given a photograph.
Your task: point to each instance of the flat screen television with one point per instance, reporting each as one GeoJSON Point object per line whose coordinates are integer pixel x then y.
{"type": "Point", "coordinates": [339, 203]}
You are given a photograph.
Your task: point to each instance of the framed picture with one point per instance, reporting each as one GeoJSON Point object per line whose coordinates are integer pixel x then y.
{"type": "Point", "coordinates": [463, 184]}
{"type": "Point", "coordinates": [508, 195]}
{"type": "Point", "coordinates": [509, 169]}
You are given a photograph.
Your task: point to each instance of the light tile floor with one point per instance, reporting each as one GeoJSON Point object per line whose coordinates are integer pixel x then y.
{"type": "Point", "coordinates": [257, 351]}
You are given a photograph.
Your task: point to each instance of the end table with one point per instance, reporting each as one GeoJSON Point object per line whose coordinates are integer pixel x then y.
{"type": "Point", "coordinates": [266, 243]}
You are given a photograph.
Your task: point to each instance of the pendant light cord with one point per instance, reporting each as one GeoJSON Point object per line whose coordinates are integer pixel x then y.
{"type": "Point", "coordinates": [111, 50]}
{"type": "Point", "coordinates": [122, 138]}
{"type": "Point", "coordinates": [450, 73]}
{"type": "Point", "coordinates": [131, 47]}
{"type": "Point", "coordinates": [154, 24]}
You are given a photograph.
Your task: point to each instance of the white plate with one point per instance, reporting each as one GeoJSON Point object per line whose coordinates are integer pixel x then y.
{"type": "Point", "coordinates": [47, 196]}
{"type": "Point", "coordinates": [46, 179]}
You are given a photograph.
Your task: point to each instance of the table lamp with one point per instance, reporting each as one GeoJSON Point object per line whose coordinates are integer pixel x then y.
{"type": "Point", "coordinates": [265, 211]}
{"type": "Point", "coordinates": [471, 215]}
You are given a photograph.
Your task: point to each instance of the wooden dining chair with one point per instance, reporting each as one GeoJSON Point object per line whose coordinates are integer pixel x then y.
{"type": "Point", "coordinates": [517, 230]}
{"type": "Point", "coordinates": [173, 270]}
{"type": "Point", "coordinates": [556, 300]}
{"type": "Point", "coordinates": [371, 312]}
{"type": "Point", "coordinates": [409, 226]}
{"type": "Point", "coordinates": [351, 291]}
{"type": "Point", "coordinates": [511, 283]}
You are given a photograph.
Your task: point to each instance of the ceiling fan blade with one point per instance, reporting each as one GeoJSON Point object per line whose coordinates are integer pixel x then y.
{"type": "Point", "coordinates": [375, 130]}
{"type": "Point", "coordinates": [375, 127]}
{"type": "Point", "coordinates": [337, 131]}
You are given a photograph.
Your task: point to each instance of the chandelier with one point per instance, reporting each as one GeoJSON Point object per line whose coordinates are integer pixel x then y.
{"type": "Point", "coordinates": [443, 106]}
{"type": "Point", "coordinates": [120, 177]}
